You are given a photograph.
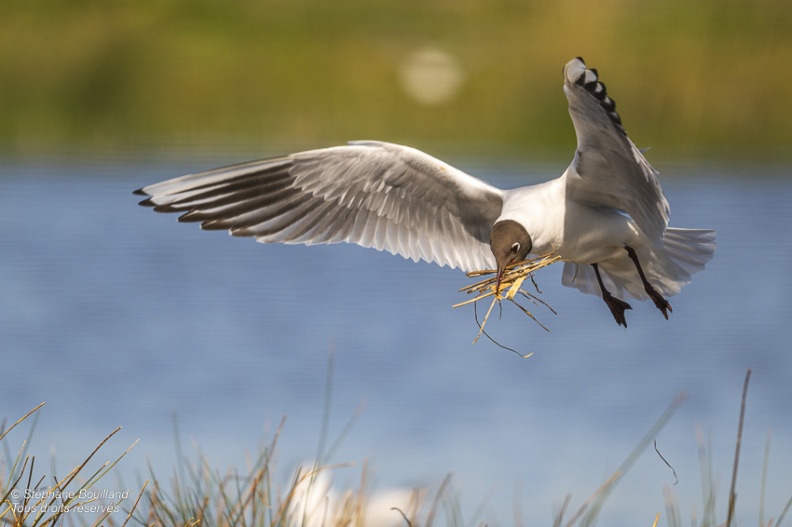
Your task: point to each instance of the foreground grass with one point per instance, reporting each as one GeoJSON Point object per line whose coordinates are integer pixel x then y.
{"type": "Point", "coordinates": [199, 495]}
{"type": "Point", "coordinates": [31, 500]}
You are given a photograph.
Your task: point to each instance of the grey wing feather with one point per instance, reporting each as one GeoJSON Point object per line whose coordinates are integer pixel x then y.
{"type": "Point", "coordinates": [379, 195]}
{"type": "Point", "coordinates": [608, 169]}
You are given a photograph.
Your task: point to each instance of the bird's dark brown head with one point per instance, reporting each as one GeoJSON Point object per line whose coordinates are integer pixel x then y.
{"type": "Point", "coordinates": [509, 243]}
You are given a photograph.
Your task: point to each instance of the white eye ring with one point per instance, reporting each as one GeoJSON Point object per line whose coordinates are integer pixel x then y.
{"type": "Point", "coordinates": [515, 247]}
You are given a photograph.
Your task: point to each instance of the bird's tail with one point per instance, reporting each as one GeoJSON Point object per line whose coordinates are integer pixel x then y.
{"type": "Point", "coordinates": [684, 253]}
{"type": "Point", "coordinates": [689, 250]}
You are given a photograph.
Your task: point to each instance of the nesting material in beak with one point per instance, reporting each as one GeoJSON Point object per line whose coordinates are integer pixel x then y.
{"type": "Point", "coordinates": [510, 281]}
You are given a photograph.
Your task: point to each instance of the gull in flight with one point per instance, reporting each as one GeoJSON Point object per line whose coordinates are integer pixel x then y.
{"type": "Point", "coordinates": [606, 216]}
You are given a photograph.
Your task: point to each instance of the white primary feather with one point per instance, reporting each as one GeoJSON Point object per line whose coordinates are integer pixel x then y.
{"type": "Point", "coordinates": [374, 194]}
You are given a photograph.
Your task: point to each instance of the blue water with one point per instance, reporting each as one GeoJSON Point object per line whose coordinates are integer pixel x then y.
{"type": "Point", "coordinates": [115, 315]}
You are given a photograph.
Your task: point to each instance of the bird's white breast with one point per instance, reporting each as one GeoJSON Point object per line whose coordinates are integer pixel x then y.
{"type": "Point", "coordinates": [575, 231]}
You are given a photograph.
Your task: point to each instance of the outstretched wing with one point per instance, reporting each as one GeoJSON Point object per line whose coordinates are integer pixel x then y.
{"type": "Point", "coordinates": [374, 194]}
{"type": "Point", "coordinates": [608, 170]}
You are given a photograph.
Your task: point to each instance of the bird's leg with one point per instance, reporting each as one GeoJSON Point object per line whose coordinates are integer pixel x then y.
{"type": "Point", "coordinates": [616, 306]}
{"type": "Point", "coordinates": [660, 302]}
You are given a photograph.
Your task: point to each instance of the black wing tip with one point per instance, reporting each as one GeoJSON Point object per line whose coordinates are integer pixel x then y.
{"type": "Point", "coordinates": [146, 202]}
{"type": "Point", "coordinates": [598, 90]}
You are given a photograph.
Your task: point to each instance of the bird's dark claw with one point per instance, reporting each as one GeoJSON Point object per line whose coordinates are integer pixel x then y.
{"type": "Point", "coordinates": [617, 308]}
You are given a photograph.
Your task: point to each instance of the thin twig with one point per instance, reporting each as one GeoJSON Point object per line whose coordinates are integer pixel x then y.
{"type": "Point", "coordinates": [13, 485]}
{"type": "Point", "coordinates": [134, 506]}
{"type": "Point", "coordinates": [602, 495]}
{"type": "Point", "coordinates": [436, 501]}
{"type": "Point", "coordinates": [732, 493]}
{"type": "Point", "coordinates": [20, 420]}
{"type": "Point", "coordinates": [784, 512]}
{"type": "Point", "coordinates": [599, 492]}
{"type": "Point", "coordinates": [560, 516]}
{"type": "Point", "coordinates": [510, 285]}
{"type": "Point", "coordinates": [409, 524]}
{"type": "Point", "coordinates": [763, 488]}
{"type": "Point", "coordinates": [73, 474]}
{"type": "Point", "coordinates": [482, 332]}
{"type": "Point", "coordinates": [676, 479]}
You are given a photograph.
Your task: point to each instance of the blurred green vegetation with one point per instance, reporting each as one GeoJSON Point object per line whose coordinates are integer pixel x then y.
{"type": "Point", "coordinates": [692, 79]}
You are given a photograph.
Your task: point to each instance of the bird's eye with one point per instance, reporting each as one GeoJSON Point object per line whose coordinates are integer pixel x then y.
{"type": "Point", "coordinates": [515, 247]}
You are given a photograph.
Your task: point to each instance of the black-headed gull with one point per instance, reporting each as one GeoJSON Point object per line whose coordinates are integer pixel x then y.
{"type": "Point", "coordinates": [606, 215]}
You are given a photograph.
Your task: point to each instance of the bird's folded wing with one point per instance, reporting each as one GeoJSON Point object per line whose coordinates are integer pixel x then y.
{"type": "Point", "coordinates": [374, 194]}
{"type": "Point", "coordinates": [608, 170]}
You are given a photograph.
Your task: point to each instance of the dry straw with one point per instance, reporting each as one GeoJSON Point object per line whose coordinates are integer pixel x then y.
{"type": "Point", "coordinates": [510, 286]}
